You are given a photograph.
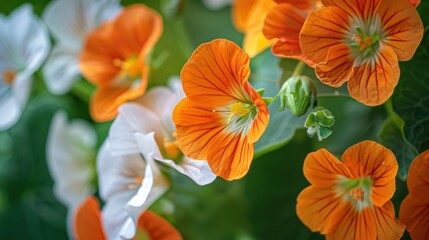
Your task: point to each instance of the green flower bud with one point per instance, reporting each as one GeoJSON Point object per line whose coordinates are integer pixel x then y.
{"type": "Point", "coordinates": [296, 94]}
{"type": "Point", "coordinates": [319, 122]}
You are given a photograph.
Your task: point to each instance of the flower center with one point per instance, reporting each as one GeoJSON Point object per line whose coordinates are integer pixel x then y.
{"type": "Point", "coordinates": [8, 76]}
{"type": "Point", "coordinates": [130, 68]}
{"type": "Point", "coordinates": [137, 182]}
{"type": "Point", "coordinates": [238, 109]}
{"type": "Point", "coordinates": [356, 191]}
{"type": "Point", "coordinates": [172, 151]}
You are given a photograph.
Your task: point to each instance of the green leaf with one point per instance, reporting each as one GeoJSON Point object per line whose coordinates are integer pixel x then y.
{"type": "Point", "coordinates": [266, 73]}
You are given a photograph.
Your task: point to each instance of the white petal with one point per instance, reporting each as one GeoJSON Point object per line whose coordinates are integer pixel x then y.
{"type": "Point", "coordinates": [132, 118]}
{"type": "Point", "coordinates": [10, 110]}
{"type": "Point", "coordinates": [197, 170]}
{"type": "Point", "coordinates": [61, 70]}
{"type": "Point", "coordinates": [70, 149]}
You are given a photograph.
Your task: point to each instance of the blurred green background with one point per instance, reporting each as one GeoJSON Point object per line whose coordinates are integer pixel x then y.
{"type": "Point", "coordinates": [259, 206]}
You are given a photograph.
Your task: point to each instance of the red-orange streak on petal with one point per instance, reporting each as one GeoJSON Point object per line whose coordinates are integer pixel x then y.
{"type": "Point", "coordinates": [388, 227]}
{"type": "Point", "coordinates": [360, 8]}
{"type": "Point", "coordinates": [415, 215]}
{"type": "Point", "coordinates": [373, 85]}
{"type": "Point", "coordinates": [336, 70]}
{"type": "Point", "coordinates": [196, 127]}
{"type": "Point", "coordinates": [231, 157]}
{"type": "Point", "coordinates": [402, 26]}
{"type": "Point", "coordinates": [370, 159]}
{"type": "Point", "coordinates": [322, 169]}
{"type": "Point", "coordinates": [215, 73]}
{"type": "Point", "coordinates": [317, 207]}
{"type": "Point", "coordinates": [157, 227]}
{"type": "Point", "coordinates": [87, 221]}
{"type": "Point", "coordinates": [323, 29]}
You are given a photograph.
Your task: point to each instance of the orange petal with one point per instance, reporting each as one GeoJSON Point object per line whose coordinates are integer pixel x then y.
{"type": "Point", "coordinates": [301, 4]}
{"type": "Point", "coordinates": [370, 159]}
{"type": "Point", "coordinates": [317, 207]}
{"type": "Point", "coordinates": [230, 156]}
{"type": "Point", "coordinates": [261, 120]}
{"type": "Point", "coordinates": [402, 26]}
{"type": "Point", "coordinates": [195, 128]}
{"type": "Point", "coordinates": [157, 227]}
{"type": "Point", "coordinates": [373, 85]}
{"type": "Point", "coordinates": [323, 29]}
{"type": "Point", "coordinates": [362, 8]}
{"type": "Point", "coordinates": [336, 70]}
{"type": "Point", "coordinates": [322, 169]}
{"type": "Point", "coordinates": [414, 2]}
{"type": "Point", "coordinates": [354, 225]}
{"type": "Point", "coordinates": [418, 177]}
{"type": "Point", "coordinates": [240, 13]}
{"type": "Point", "coordinates": [215, 73]}
{"type": "Point", "coordinates": [87, 222]}
{"type": "Point", "coordinates": [415, 215]}
{"type": "Point", "coordinates": [254, 40]}
{"type": "Point", "coordinates": [388, 227]}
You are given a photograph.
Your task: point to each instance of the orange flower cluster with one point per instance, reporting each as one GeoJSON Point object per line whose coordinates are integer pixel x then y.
{"type": "Point", "coordinates": [350, 199]}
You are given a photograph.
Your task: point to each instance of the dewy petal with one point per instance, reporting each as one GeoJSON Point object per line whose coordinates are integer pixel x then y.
{"type": "Point", "coordinates": [418, 179]}
{"type": "Point", "coordinates": [254, 40]}
{"type": "Point", "coordinates": [240, 13]}
{"type": "Point", "coordinates": [415, 215]}
{"type": "Point", "coordinates": [69, 157]}
{"type": "Point", "coordinates": [133, 118]}
{"type": "Point", "coordinates": [61, 70]}
{"type": "Point", "coordinates": [336, 69]}
{"type": "Point", "coordinates": [388, 227]}
{"type": "Point", "coordinates": [232, 156]}
{"type": "Point", "coordinates": [197, 170]}
{"type": "Point", "coordinates": [402, 26]}
{"type": "Point", "coordinates": [323, 29]}
{"type": "Point", "coordinates": [322, 169]}
{"type": "Point", "coordinates": [195, 128]}
{"type": "Point", "coordinates": [87, 221]}
{"type": "Point", "coordinates": [354, 225]}
{"type": "Point", "coordinates": [373, 83]}
{"type": "Point", "coordinates": [317, 207]}
{"type": "Point", "coordinates": [157, 227]}
{"type": "Point", "coordinates": [215, 73]}
{"type": "Point", "coordinates": [370, 159]}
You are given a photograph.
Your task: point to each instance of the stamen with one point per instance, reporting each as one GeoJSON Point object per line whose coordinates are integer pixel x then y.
{"type": "Point", "coordinates": [170, 146]}
{"type": "Point", "coordinates": [8, 76]}
{"type": "Point", "coordinates": [138, 181]}
{"type": "Point", "coordinates": [239, 109]}
{"type": "Point", "coordinates": [130, 67]}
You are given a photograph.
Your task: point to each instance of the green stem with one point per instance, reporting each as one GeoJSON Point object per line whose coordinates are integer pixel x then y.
{"type": "Point", "coordinates": [298, 68]}
{"type": "Point", "coordinates": [83, 90]}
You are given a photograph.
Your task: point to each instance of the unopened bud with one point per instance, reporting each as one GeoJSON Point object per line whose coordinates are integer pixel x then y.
{"type": "Point", "coordinates": [319, 122]}
{"type": "Point", "coordinates": [296, 94]}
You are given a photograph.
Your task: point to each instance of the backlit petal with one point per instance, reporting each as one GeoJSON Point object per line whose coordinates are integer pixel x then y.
{"type": "Point", "coordinates": [370, 159]}
{"type": "Point", "coordinates": [240, 13]}
{"type": "Point", "coordinates": [87, 221]}
{"type": "Point", "coordinates": [372, 84]}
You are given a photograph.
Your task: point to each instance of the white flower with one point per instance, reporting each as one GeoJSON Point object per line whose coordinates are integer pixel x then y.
{"type": "Point", "coordinates": [70, 154]}
{"type": "Point", "coordinates": [216, 4]}
{"type": "Point", "coordinates": [129, 184]}
{"type": "Point", "coordinates": [153, 113]}
{"type": "Point", "coordinates": [24, 45]}
{"type": "Point", "coordinates": [69, 22]}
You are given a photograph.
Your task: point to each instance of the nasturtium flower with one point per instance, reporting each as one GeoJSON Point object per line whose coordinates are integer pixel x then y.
{"type": "Point", "coordinates": [114, 58]}
{"type": "Point", "coordinates": [70, 155]}
{"type": "Point", "coordinates": [350, 199]}
{"type": "Point", "coordinates": [222, 116]}
{"type": "Point", "coordinates": [248, 17]}
{"type": "Point", "coordinates": [88, 224]}
{"type": "Point", "coordinates": [128, 184]}
{"type": "Point", "coordinates": [361, 42]}
{"type": "Point", "coordinates": [69, 29]}
{"type": "Point", "coordinates": [153, 113]}
{"type": "Point", "coordinates": [284, 23]}
{"type": "Point", "coordinates": [414, 211]}
{"type": "Point", "coordinates": [24, 45]}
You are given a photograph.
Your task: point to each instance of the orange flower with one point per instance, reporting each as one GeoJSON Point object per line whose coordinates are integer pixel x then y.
{"type": "Point", "coordinates": [222, 115]}
{"type": "Point", "coordinates": [87, 224]}
{"type": "Point", "coordinates": [350, 199]}
{"type": "Point", "coordinates": [283, 24]}
{"type": "Point", "coordinates": [248, 17]}
{"type": "Point", "coordinates": [414, 209]}
{"type": "Point", "coordinates": [361, 41]}
{"type": "Point", "coordinates": [113, 58]}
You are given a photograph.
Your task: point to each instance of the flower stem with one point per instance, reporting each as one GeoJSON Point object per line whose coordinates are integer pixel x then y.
{"type": "Point", "coordinates": [298, 68]}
